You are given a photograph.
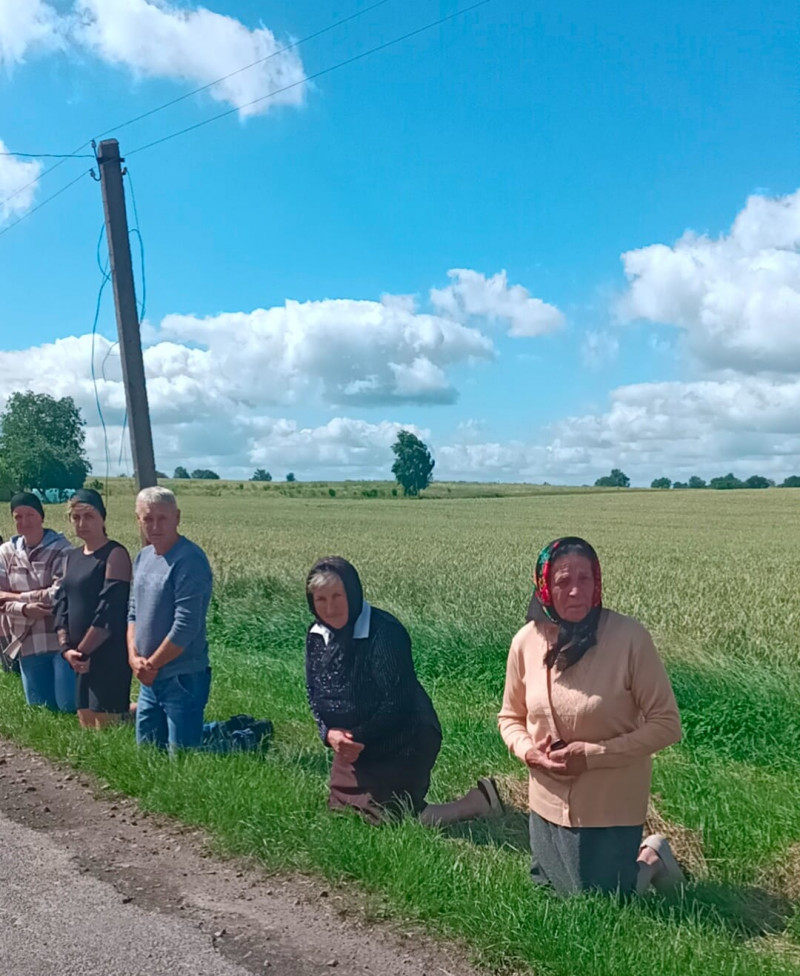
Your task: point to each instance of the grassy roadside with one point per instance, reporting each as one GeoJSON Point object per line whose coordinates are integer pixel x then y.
{"type": "Point", "coordinates": [714, 575]}
{"type": "Point", "coordinates": [473, 885]}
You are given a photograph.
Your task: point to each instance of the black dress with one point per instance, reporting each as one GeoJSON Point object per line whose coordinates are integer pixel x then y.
{"type": "Point", "coordinates": [85, 599]}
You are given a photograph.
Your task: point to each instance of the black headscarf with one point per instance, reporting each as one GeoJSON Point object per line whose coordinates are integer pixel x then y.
{"type": "Point", "coordinates": [353, 591]}
{"type": "Point", "coordinates": [28, 499]}
{"type": "Point", "coordinates": [574, 639]}
{"type": "Point", "coordinates": [88, 496]}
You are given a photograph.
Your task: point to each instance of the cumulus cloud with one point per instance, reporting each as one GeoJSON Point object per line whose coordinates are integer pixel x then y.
{"type": "Point", "coordinates": [736, 297]}
{"type": "Point", "coordinates": [26, 25]}
{"type": "Point", "coordinates": [161, 39]}
{"type": "Point", "coordinates": [339, 351]}
{"type": "Point", "coordinates": [750, 424]}
{"type": "Point", "coordinates": [216, 384]}
{"type": "Point", "coordinates": [473, 294]}
{"type": "Point", "coordinates": [16, 191]}
{"type": "Point", "coordinates": [342, 446]}
{"type": "Point", "coordinates": [156, 38]}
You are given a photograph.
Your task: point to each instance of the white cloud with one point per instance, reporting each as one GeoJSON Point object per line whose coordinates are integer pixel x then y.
{"type": "Point", "coordinates": [337, 351]}
{"type": "Point", "coordinates": [26, 25]}
{"type": "Point", "coordinates": [16, 193]}
{"type": "Point", "coordinates": [473, 294]}
{"type": "Point", "coordinates": [214, 383]}
{"type": "Point", "coordinates": [344, 447]}
{"type": "Point", "coordinates": [736, 297]}
{"type": "Point", "coordinates": [156, 38]}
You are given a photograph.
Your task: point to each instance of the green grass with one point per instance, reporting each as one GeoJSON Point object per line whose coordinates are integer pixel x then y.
{"type": "Point", "coordinates": [713, 575]}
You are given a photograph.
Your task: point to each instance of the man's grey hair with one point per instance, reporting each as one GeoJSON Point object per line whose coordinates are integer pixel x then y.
{"type": "Point", "coordinates": [155, 496]}
{"type": "Point", "coordinates": [321, 579]}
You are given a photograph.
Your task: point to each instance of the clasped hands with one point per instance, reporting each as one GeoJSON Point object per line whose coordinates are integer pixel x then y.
{"type": "Point", "coordinates": [567, 760]}
{"type": "Point", "coordinates": [344, 745]}
{"type": "Point", "coordinates": [143, 670]}
{"type": "Point", "coordinates": [76, 660]}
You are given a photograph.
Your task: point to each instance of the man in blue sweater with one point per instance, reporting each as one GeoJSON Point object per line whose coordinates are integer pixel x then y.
{"type": "Point", "coordinates": [167, 645]}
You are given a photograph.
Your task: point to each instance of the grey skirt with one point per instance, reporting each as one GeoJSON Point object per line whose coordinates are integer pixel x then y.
{"type": "Point", "coordinates": [573, 859]}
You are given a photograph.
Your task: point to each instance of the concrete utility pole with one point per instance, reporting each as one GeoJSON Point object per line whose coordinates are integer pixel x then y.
{"type": "Point", "coordinates": [130, 343]}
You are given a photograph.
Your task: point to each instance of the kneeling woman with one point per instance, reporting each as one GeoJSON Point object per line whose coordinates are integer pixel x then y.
{"type": "Point", "coordinates": [587, 703]}
{"type": "Point", "coordinates": [91, 614]}
{"type": "Point", "coordinates": [370, 708]}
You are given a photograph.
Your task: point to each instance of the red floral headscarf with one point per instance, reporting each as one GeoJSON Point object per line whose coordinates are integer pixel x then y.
{"type": "Point", "coordinates": [574, 639]}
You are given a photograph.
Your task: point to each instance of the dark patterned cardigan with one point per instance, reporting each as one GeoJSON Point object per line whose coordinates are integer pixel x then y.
{"type": "Point", "coordinates": [368, 685]}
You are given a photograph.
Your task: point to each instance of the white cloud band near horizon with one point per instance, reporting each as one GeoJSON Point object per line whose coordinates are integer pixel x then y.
{"type": "Point", "coordinates": [220, 386]}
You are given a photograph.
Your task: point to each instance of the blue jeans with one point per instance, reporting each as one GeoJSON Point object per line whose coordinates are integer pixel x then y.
{"type": "Point", "coordinates": [48, 680]}
{"type": "Point", "coordinates": [170, 711]}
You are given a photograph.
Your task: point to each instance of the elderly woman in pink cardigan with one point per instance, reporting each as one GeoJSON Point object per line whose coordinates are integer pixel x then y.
{"type": "Point", "coordinates": [587, 703]}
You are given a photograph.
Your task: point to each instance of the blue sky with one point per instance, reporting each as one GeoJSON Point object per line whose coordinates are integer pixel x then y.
{"type": "Point", "coordinates": [541, 141]}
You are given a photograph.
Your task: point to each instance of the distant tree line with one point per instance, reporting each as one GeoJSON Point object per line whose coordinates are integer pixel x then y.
{"type": "Point", "coordinates": [206, 474]}
{"type": "Point", "coordinates": [727, 482]}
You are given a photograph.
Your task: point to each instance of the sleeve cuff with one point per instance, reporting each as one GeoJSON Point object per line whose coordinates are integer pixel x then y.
{"type": "Point", "coordinates": [521, 747]}
{"type": "Point", "coordinates": [595, 752]}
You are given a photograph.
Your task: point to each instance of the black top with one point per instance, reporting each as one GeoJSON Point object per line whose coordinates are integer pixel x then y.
{"type": "Point", "coordinates": [86, 598]}
{"type": "Point", "coordinates": [369, 686]}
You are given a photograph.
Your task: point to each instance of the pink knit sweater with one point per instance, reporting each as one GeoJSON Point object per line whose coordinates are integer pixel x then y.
{"type": "Point", "coordinates": [617, 700]}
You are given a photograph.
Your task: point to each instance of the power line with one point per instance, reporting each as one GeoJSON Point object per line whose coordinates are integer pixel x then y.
{"type": "Point", "coordinates": [77, 153]}
{"type": "Point", "coordinates": [246, 67]}
{"type": "Point", "coordinates": [45, 172]}
{"type": "Point", "coordinates": [138, 232]}
{"type": "Point", "coordinates": [318, 74]}
{"type": "Point", "coordinates": [106, 278]}
{"type": "Point", "coordinates": [74, 155]}
{"type": "Point", "coordinates": [44, 203]}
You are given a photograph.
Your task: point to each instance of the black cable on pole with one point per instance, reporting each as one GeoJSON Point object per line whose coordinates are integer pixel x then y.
{"type": "Point", "coordinates": [246, 67]}
{"type": "Point", "coordinates": [45, 172]}
{"type": "Point", "coordinates": [318, 74]}
{"type": "Point", "coordinates": [44, 203]}
{"type": "Point", "coordinates": [74, 155]}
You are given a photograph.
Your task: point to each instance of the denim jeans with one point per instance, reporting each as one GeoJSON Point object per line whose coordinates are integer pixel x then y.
{"type": "Point", "coordinates": [170, 711]}
{"type": "Point", "coordinates": [48, 680]}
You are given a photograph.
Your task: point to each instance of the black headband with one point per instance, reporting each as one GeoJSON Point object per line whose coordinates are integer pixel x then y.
{"type": "Point", "coordinates": [88, 496]}
{"type": "Point", "coordinates": [28, 499]}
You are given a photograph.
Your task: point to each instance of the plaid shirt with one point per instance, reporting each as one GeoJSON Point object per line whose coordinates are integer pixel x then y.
{"type": "Point", "coordinates": [34, 575]}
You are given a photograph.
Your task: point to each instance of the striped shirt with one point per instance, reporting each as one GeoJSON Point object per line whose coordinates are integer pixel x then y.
{"type": "Point", "coordinates": [33, 575]}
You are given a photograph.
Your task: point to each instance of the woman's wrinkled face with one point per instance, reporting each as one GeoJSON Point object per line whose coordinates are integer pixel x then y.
{"type": "Point", "coordinates": [330, 605]}
{"type": "Point", "coordinates": [572, 587]}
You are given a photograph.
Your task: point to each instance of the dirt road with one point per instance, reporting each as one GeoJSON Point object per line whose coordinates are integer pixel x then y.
{"type": "Point", "coordinates": [89, 885]}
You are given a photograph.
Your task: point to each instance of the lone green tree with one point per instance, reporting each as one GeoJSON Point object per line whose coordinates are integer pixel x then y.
{"type": "Point", "coordinates": [696, 482]}
{"type": "Point", "coordinates": [413, 465]}
{"type": "Point", "coordinates": [290, 477]}
{"type": "Point", "coordinates": [617, 479]}
{"type": "Point", "coordinates": [181, 472]}
{"type": "Point", "coordinates": [661, 483]}
{"type": "Point", "coordinates": [41, 442]}
{"type": "Point", "coordinates": [205, 474]}
{"type": "Point", "coordinates": [261, 475]}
